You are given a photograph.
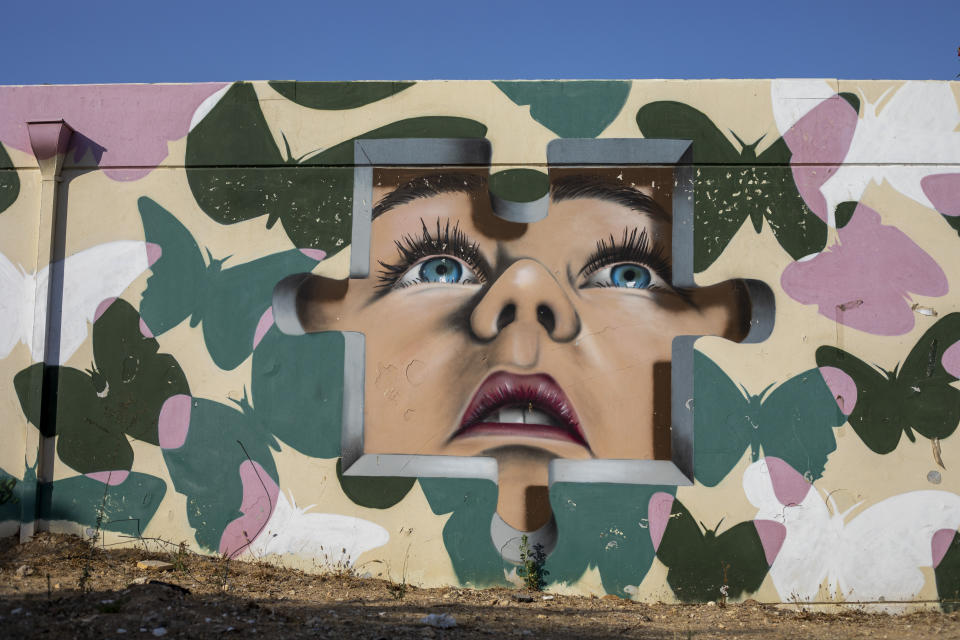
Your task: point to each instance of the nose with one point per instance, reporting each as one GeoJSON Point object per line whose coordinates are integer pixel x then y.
{"type": "Point", "coordinates": [525, 295]}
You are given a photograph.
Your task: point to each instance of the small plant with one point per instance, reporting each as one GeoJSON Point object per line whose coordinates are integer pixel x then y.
{"type": "Point", "coordinates": [532, 561]}
{"type": "Point", "coordinates": [724, 590]}
{"type": "Point", "coordinates": [179, 557]}
{"type": "Point", "coordinates": [84, 579]}
{"type": "Point", "coordinates": [338, 565]}
{"type": "Point", "coordinates": [222, 572]}
{"type": "Point", "coordinates": [83, 582]}
{"type": "Point", "coordinates": [397, 589]}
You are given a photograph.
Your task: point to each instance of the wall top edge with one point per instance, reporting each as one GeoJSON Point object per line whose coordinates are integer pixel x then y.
{"type": "Point", "coordinates": [465, 80]}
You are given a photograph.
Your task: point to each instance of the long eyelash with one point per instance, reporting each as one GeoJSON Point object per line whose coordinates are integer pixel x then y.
{"type": "Point", "coordinates": [447, 241]}
{"type": "Point", "coordinates": [634, 246]}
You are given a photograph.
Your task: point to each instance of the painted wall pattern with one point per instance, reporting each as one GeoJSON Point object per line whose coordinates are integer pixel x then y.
{"type": "Point", "coordinates": [150, 379]}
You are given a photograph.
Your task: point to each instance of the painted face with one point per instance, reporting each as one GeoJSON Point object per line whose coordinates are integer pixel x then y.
{"type": "Point", "coordinates": [524, 342]}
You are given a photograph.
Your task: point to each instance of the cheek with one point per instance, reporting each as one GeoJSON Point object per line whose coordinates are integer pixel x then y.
{"type": "Point", "coordinates": [420, 370]}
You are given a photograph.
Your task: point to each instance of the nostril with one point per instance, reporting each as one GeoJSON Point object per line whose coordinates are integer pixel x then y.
{"type": "Point", "coordinates": [546, 318]}
{"type": "Point", "coordinates": [507, 315]}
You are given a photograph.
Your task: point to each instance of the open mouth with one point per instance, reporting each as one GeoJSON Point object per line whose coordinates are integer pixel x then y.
{"type": "Point", "coordinates": [508, 404]}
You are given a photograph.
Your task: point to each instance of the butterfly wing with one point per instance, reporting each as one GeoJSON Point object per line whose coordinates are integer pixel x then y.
{"type": "Point", "coordinates": [10, 498]}
{"type": "Point", "coordinates": [875, 415]}
{"type": "Point", "coordinates": [929, 404]}
{"type": "Point", "coordinates": [947, 573]}
{"type": "Point", "coordinates": [783, 496]}
{"type": "Point", "coordinates": [28, 384]}
{"type": "Point", "coordinates": [775, 196]}
{"type": "Point", "coordinates": [127, 507]}
{"type": "Point", "coordinates": [90, 439]}
{"type": "Point", "coordinates": [234, 134]}
{"type": "Point", "coordinates": [797, 421]}
{"type": "Point", "coordinates": [132, 378]}
{"type": "Point", "coordinates": [721, 426]}
{"type": "Point", "coordinates": [337, 95]}
{"type": "Point", "coordinates": [694, 573]}
{"type": "Point", "coordinates": [337, 540]}
{"type": "Point", "coordinates": [175, 289]}
{"type": "Point", "coordinates": [9, 181]}
{"type": "Point", "coordinates": [236, 300]}
{"type": "Point", "coordinates": [743, 557]}
{"type": "Point", "coordinates": [571, 109]}
{"type": "Point", "coordinates": [90, 277]}
{"type": "Point", "coordinates": [206, 447]}
{"type": "Point", "coordinates": [899, 531]}
{"type": "Point", "coordinates": [236, 171]}
{"type": "Point", "coordinates": [297, 387]}
{"type": "Point", "coordinates": [317, 195]}
{"type": "Point", "coordinates": [719, 212]}
{"type": "Point", "coordinates": [471, 504]}
{"type": "Point", "coordinates": [615, 541]}
{"type": "Point", "coordinates": [16, 295]}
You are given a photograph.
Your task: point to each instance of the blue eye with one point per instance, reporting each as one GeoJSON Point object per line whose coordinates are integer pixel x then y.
{"type": "Point", "coordinates": [440, 270]}
{"type": "Point", "coordinates": [630, 275]}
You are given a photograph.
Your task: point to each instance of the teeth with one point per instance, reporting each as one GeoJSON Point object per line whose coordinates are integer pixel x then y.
{"type": "Point", "coordinates": [521, 414]}
{"type": "Point", "coordinates": [511, 415]}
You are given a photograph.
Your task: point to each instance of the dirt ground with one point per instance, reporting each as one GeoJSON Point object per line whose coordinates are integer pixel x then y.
{"type": "Point", "coordinates": [59, 586]}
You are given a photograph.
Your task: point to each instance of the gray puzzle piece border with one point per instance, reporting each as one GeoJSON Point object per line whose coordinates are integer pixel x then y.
{"type": "Point", "coordinates": [563, 152]}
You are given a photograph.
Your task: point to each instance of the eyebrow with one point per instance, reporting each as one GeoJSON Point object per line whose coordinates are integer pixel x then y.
{"type": "Point", "coordinates": [577, 187]}
{"type": "Point", "coordinates": [430, 186]}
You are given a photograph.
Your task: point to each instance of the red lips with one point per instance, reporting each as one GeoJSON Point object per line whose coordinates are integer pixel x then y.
{"type": "Point", "coordinates": [521, 405]}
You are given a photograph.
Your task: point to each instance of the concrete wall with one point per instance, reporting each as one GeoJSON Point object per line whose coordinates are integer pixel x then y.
{"type": "Point", "coordinates": [346, 324]}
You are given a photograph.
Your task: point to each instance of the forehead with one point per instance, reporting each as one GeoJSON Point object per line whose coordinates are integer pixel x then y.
{"type": "Point", "coordinates": [591, 191]}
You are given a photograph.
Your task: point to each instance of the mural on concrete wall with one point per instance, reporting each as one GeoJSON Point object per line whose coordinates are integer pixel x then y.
{"type": "Point", "coordinates": [510, 340]}
{"type": "Point", "coordinates": [516, 310]}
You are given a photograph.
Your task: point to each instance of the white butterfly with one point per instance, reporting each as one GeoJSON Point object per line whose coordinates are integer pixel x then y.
{"type": "Point", "coordinates": [909, 133]}
{"type": "Point", "coordinates": [89, 277]}
{"type": "Point", "coordinates": [337, 540]}
{"type": "Point", "coordinates": [872, 556]}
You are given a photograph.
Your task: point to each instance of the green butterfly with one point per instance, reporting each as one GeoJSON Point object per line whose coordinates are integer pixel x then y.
{"type": "Point", "coordinates": [916, 396]}
{"type": "Point", "coordinates": [9, 181]}
{"type": "Point", "coordinates": [10, 497]}
{"type": "Point", "coordinates": [570, 108]}
{"type": "Point", "coordinates": [233, 303]}
{"type": "Point", "coordinates": [296, 391]}
{"type": "Point", "coordinates": [706, 566]}
{"type": "Point", "coordinates": [732, 185]}
{"type": "Point", "coordinates": [947, 574]}
{"type": "Point", "coordinates": [237, 172]}
{"type": "Point", "coordinates": [794, 422]}
{"type": "Point", "coordinates": [337, 95]}
{"type": "Point", "coordinates": [93, 412]}
{"type": "Point", "coordinates": [127, 506]}
{"type": "Point", "coordinates": [471, 503]}
{"type": "Point", "coordinates": [592, 534]}
{"type": "Point", "coordinates": [599, 526]}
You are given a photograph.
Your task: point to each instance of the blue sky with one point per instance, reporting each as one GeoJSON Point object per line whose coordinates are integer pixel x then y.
{"type": "Point", "coordinates": [85, 41]}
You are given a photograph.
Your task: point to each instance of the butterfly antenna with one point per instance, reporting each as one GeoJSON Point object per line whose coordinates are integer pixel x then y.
{"type": "Point", "coordinates": [286, 148]}
{"type": "Point", "coordinates": [881, 99]}
{"type": "Point", "coordinates": [831, 502]}
{"type": "Point", "coordinates": [766, 389]}
{"type": "Point", "coordinates": [718, 524]}
{"type": "Point", "coordinates": [844, 514]}
{"type": "Point", "coordinates": [309, 154]}
{"type": "Point", "coordinates": [743, 144]}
